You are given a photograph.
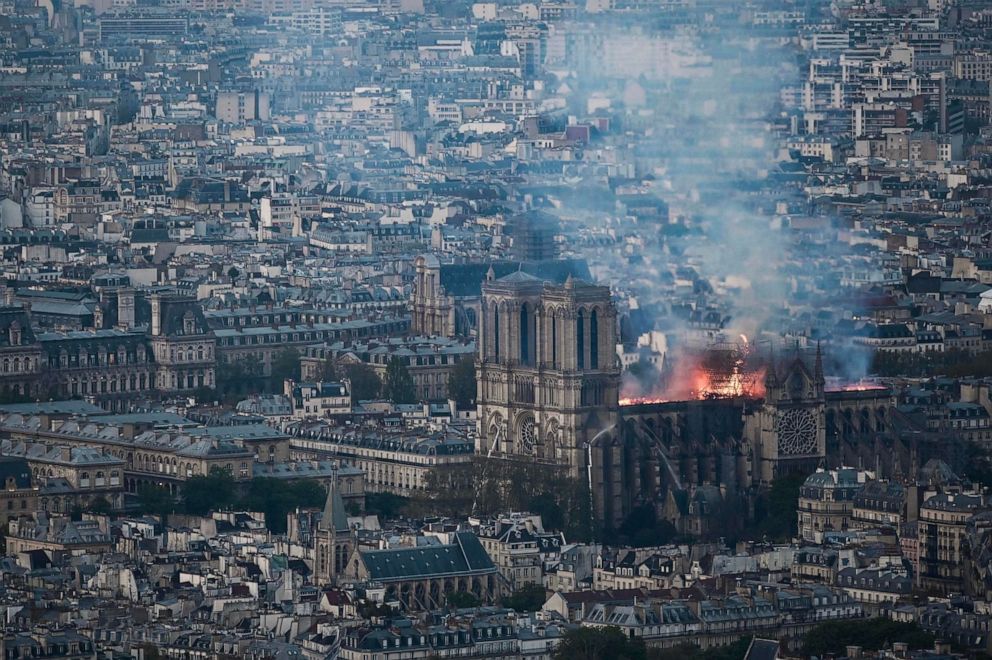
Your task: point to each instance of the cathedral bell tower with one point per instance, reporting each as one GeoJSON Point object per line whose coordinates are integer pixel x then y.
{"type": "Point", "coordinates": [548, 386]}
{"type": "Point", "coordinates": [788, 432]}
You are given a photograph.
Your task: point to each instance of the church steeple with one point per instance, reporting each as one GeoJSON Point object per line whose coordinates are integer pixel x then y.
{"type": "Point", "coordinates": [334, 518]}
{"type": "Point", "coordinates": [771, 375]}
{"type": "Point", "coordinates": [333, 538]}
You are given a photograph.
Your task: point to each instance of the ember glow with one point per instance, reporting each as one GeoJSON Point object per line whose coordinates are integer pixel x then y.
{"type": "Point", "coordinates": [719, 372]}
{"type": "Point", "coordinates": [863, 385]}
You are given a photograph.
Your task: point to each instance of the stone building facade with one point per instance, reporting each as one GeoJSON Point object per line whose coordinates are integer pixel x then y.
{"type": "Point", "coordinates": [548, 380]}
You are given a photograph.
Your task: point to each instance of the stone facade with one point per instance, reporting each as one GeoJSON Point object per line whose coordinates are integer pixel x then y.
{"type": "Point", "coordinates": [548, 380]}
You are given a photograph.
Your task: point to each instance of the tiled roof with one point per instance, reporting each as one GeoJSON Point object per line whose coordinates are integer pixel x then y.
{"type": "Point", "coordinates": [465, 555]}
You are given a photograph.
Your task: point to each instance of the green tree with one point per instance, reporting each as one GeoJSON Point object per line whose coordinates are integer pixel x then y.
{"type": "Point", "coordinates": [233, 273]}
{"type": "Point", "coordinates": [461, 599]}
{"type": "Point", "coordinates": [385, 505]}
{"type": "Point", "coordinates": [643, 529]}
{"type": "Point", "coordinates": [212, 492]}
{"type": "Point", "coordinates": [155, 500]}
{"type": "Point", "coordinates": [607, 643]}
{"type": "Point", "coordinates": [285, 366]}
{"type": "Point", "coordinates": [528, 598]}
{"type": "Point", "coordinates": [832, 637]}
{"type": "Point", "coordinates": [546, 506]}
{"type": "Point", "coordinates": [99, 505]}
{"type": "Point", "coordinates": [365, 384]}
{"type": "Point", "coordinates": [461, 383]}
{"type": "Point", "coordinates": [329, 371]}
{"type": "Point", "coordinates": [398, 386]}
{"type": "Point", "coordinates": [735, 651]}
{"type": "Point", "coordinates": [237, 378]}
{"type": "Point", "coordinates": [488, 487]}
{"type": "Point", "coordinates": [776, 510]}
{"type": "Point", "coordinates": [276, 499]}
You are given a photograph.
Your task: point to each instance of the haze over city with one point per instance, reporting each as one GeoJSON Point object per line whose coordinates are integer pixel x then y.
{"type": "Point", "coordinates": [550, 330]}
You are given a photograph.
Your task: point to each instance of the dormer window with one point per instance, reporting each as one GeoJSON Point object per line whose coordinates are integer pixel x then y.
{"type": "Point", "coordinates": [15, 334]}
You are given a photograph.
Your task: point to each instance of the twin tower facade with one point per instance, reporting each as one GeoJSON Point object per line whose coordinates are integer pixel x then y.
{"type": "Point", "coordinates": [549, 379]}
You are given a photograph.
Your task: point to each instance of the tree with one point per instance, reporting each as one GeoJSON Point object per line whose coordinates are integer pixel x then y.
{"type": "Point", "coordinates": [237, 377]}
{"type": "Point", "coordinates": [205, 493]}
{"type": "Point", "coordinates": [462, 599]}
{"type": "Point", "coordinates": [734, 651]}
{"type": "Point", "coordinates": [285, 366]}
{"type": "Point", "coordinates": [833, 637]}
{"type": "Point", "coordinates": [607, 643]}
{"type": "Point", "coordinates": [329, 371]}
{"type": "Point", "coordinates": [276, 499]}
{"type": "Point", "coordinates": [398, 386]}
{"type": "Point", "coordinates": [775, 511]}
{"type": "Point", "coordinates": [100, 505]}
{"type": "Point", "coordinates": [643, 529]}
{"type": "Point", "coordinates": [385, 505]}
{"type": "Point", "coordinates": [544, 505]}
{"type": "Point", "coordinates": [488, 487]}
{"type": "Point", "coordinates": [528, 598]}
{"type": "Point", "coordinates": [461, 383]}
{"type": "Point", "coordinates": [156, 500]}
{"type": "Point", "coordinates": [233, 273]}
{"type": "Point", "coordinates": [365, 384]}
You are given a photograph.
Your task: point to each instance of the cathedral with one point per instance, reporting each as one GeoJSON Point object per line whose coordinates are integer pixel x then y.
{"type": "Point", "coordinates": [549, 380]}
{"type": "Point", "coordinates": [548, 392]}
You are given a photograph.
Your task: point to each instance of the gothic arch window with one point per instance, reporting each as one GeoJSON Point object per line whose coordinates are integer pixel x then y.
{"type": "Point", "coordinates": [554, 338]}
{"type": "Point", "coordinates": [524, 335]}
{"type": "Point", "coordinates": [594, 340]}
{"type": "Point", "coordinates": [496, 331]}
{"type": "Point", "coordinates": [552, 441]}
{"type": "Point", "coordinates": [495, 424]}
{"type": "Point", "coordinates": [866, 426]}
{"type": "Point", "coordinates": [580, 340]}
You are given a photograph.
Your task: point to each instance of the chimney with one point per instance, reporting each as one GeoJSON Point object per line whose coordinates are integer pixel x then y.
{"type": "Point", "coordinates": [853, 651]}
{"type": "Point", "coordinates": [900, 649]}
{"type": "Point", "coordinates": [941, 647]}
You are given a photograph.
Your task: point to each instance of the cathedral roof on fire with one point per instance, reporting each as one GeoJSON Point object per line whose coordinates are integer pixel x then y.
{"type": "Point", "coordinates": [465, 280]}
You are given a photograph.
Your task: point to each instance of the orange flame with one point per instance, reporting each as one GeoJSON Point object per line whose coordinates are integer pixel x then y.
{"type": "Point", "coordinates": [696, 375]}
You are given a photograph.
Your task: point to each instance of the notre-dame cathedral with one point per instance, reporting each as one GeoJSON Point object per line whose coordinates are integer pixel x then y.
{"type": "Point", "coordinates": [549, 392]}
{"type": "Point", "coordinates": [549, 380]}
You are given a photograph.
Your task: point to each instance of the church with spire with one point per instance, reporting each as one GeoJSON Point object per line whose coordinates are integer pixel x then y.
{"type": "Point", "coordinates": [332, 538]}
